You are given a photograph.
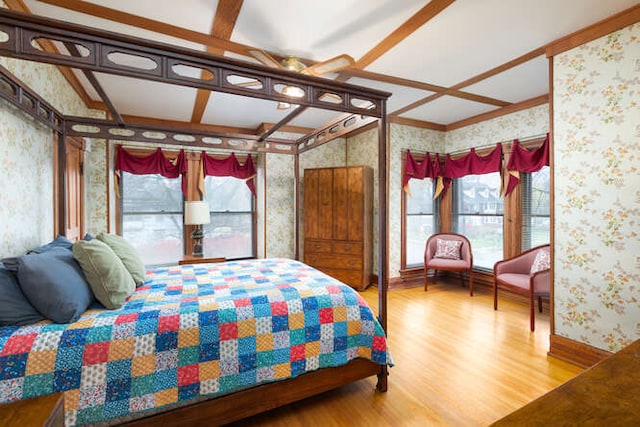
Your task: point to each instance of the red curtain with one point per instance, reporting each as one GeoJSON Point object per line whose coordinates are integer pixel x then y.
{"type": "Point", "coordinates": [471, 164]}
{"type": "Point", "coordinates": [230, 167]}
{"type": "Point", "coordinates": [523, 160]}
{"type": "Point", "coordinates": [155, 163]}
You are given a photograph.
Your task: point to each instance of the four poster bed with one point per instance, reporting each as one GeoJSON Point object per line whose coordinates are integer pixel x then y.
{"type": "Point", "coordinates": [285, 331]}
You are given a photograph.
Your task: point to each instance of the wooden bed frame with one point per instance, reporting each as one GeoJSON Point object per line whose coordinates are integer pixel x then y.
{"type": "Point", "coordinates": [23, 28]}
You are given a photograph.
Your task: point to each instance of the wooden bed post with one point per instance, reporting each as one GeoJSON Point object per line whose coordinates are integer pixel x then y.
{"type": "Point", "coordinates": [61, 203]}
{"type": "Point", "coordinates": [296, 194]}
{"type": "Point", "coordinates": [383, 246]}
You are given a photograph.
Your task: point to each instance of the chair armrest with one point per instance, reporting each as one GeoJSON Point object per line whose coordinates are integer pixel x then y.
{"type": "Point", "coordinates": [541, 282]}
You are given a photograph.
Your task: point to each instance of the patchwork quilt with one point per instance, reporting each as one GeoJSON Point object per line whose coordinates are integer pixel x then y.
{"type": "Point", "coordinates": [191, 331]}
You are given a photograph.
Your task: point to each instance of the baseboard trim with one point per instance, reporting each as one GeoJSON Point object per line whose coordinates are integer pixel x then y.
{"type": "Point", "coordinates": [575, 352]}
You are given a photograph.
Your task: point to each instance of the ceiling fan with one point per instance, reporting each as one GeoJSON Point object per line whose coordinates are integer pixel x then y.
{"type": "Point", "coordinates": [293, 63]}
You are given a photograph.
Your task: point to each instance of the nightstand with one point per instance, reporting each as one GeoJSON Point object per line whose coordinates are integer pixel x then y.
{"type": "Point", "coordinates": [190, 259]}
{"type": "Point", "coordinates": [46, 411]}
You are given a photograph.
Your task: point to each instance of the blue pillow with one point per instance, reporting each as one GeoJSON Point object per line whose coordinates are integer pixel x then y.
{"type": "Point", "coordinates": [59, 242]}
{"type": "Point", "coordinates": [15, 309]}
{"type": "Point", "coordinates": [54, 283]}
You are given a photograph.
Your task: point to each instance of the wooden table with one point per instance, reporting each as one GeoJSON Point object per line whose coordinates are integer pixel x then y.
{"type": "Point", "coordinates": [46, 411]}
{"type": "Point", "coordinates": [608, 394]}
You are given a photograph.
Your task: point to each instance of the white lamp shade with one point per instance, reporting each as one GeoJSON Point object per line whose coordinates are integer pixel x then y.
{"type": "Point", "coordinates": [196, 213]}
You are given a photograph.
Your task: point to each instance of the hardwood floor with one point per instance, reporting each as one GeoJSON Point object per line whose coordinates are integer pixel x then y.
{"type": "Point", "coordinates": [457, 363]}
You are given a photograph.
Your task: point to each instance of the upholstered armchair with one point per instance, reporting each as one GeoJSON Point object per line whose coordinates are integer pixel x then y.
{"type": "Point", "coordinates": [526, 274]}
{"type": "Point", "coordinates": [449, 252]}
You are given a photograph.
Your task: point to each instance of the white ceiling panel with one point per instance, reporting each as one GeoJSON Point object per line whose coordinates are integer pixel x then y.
{"type": "Point", "coordinates": [448, 109]}
{"type": "Point", "coordinates": [525, 81]}
{"type": "Point", "coordinates": [241, 111]}
{"type": "Point", "coordinates": [161, 100]}
{"type": "Point", "coordinates": [40, 8]}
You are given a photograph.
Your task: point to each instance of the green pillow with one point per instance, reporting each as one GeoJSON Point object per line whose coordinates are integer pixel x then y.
{"type": "Point", "coordinates": [127, 254]}
{"type": "Point", "coordinates": [110, 281]}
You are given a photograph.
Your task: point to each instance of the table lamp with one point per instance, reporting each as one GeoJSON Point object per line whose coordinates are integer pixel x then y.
{"type": "Point", "coordinates": [197, 213]}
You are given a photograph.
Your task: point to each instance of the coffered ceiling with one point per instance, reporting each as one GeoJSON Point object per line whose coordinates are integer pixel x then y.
{"type": "Point", "coordinates": [444, 61]}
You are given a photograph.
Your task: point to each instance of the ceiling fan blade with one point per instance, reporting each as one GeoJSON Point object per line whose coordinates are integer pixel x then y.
{"type": "Point", "coordinates": [265, 58]}
{"type": "Point", "coordinates": [332, 65]}
{"type": "Point", "coordinates": [283, 106]}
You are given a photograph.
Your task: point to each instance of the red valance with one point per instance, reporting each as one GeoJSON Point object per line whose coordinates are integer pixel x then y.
{"type": "Point", "coordinates": [472, 164]}
{"type": "Point", "coordinates": [230, 167]}
{"type": "Point", "coordinates": [155, 163]}
{"type": "Point", "coordinates": [428, 168]}
{"type": "Point", "coordinates": [523, 160]}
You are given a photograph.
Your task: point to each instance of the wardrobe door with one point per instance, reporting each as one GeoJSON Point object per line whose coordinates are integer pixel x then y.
{"type": "Point", "coordinates": [355, 211]}
{"type": "Point", "coordinates": [325, 207]}
{"type": "Point", "coordinates": [340, 204]}
{"type": "Point", "coordinates": [311, 204]}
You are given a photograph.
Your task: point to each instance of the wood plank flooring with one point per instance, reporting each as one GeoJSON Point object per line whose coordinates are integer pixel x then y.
{"type": "Point", "coordinates": [457, 363]}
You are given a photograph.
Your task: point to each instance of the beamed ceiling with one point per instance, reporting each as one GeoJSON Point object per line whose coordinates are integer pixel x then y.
{"type": "Point", "coordinates": [446, 63]}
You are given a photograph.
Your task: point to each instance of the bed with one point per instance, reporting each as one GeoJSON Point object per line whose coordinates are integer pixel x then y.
{"type": "Point", "coordinates": [184, 405]}
{"type": "Point", "coordinates": [193, 332]}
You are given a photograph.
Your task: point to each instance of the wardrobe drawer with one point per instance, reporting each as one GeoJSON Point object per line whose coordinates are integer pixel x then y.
{"type": "Point", "coordinates": [354, 248]}
{"type": "Point", "coordinates": [312, 245]}
{"type": "Point", "coordinates": [333, 261]}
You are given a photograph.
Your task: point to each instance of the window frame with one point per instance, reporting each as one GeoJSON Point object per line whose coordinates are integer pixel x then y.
{"type": "Point", "coordinates": [122, 213]}
{"type": "Point", "coordinates": [252, 213]}
{"type": "Point", "coordinates": [526, 185]}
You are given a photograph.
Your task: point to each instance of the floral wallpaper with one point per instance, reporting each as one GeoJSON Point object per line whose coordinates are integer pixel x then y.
{"type": "Point", "coordinates": [597, 191]}
{"type": "Point", "coordinates": [521, 124]}
{"type": "Point", "coordinates": [404, 138]}
{"type": "Point", "coordinates": [26, 150]}
{"type": "Point", "coordinates": [280, 205]}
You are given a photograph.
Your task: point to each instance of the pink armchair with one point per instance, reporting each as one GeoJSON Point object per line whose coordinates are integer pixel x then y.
{"type": "Point", "coordinates": [526, 274]}
{"type": "Point", "coordinates": [454, 255]}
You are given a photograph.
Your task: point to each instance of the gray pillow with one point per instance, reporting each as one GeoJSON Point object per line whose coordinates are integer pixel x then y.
{"type": "Point", "coordinates": [127, 254]}
{"type": "Point", "coordinates": [15, 309]}
{"type": "Point", "coordinates": [110, 281]}
{"type": "Point", "coordinates": [54, 284]}
{"type": "Point", "coordinates": [58, 242]}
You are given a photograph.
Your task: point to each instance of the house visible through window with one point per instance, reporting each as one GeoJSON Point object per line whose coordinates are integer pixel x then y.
{"type": "Point", "coordinates": [151, 211]}
{"type": "Point", "coordinates": [478, 214]}
{"type": "Point", "coordinates": [421, 220]}
{"type": "Point", "coordinates": [231, 231]}
{"type": "Point", "coordinates": [535, 208]}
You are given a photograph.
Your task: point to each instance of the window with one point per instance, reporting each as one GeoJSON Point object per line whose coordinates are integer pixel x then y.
{"type": "Point", "coordinates": [478, 214]}
{"type": "Point", "coordinates": [151, 208]}
{"type": "Point", "coordinates": [421, 219]}
{"type": "Point", "coordinates": [231, 231]}
{"type": "Point", "coordinates": [535, 208]}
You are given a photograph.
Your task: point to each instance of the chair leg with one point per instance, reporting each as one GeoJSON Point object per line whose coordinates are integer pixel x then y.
{"type": "Point", "coordinates": [471, 282]}
{"type": "Point", "coordinates": [426, 273]}
{"type": "Point", "coordinates": [495, 294]}
{"type": "Point", "coordinates": [540, 304]}
{"type": "Point", "coordinates": [532, 313]}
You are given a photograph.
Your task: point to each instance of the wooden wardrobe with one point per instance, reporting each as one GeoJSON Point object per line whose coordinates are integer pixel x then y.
{"type": "Point", "coordinates": [338, 218]}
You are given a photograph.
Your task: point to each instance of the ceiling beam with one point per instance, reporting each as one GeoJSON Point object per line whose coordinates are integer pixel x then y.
{"type": "Point", "coordinates": [150, 24]}
{"type": "Point", "coordinates": [292, 115]}
{"type": "Point", "coordinates": [223, 23]}
{"type": "Point", "coordinates": [421, 17]}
